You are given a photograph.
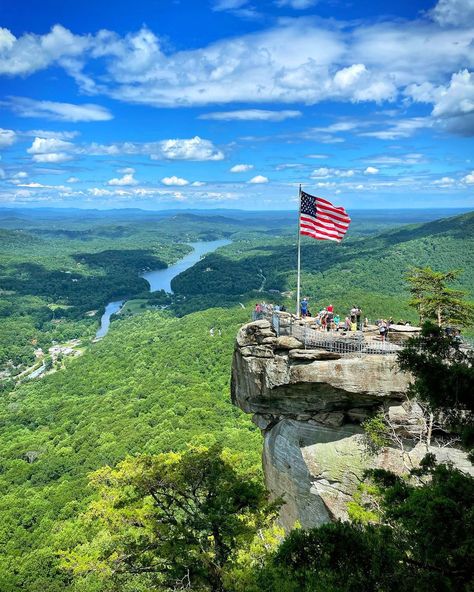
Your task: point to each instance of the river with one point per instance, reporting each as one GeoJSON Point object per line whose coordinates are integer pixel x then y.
{"type": "Point", "coordinates": [160, 279]}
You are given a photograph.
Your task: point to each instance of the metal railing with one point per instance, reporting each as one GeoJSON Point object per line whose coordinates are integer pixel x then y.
{"type": "Point", "coordinates": [333, 341]}
{"type": "Point", "coordinates": [342, 342]}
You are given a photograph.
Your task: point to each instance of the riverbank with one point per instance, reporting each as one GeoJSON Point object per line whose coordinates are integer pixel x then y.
{"type": "Point", "coordinates": [159, 279]}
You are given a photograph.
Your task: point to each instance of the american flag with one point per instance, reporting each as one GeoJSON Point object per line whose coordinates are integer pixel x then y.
{"type": "Point", "coordinates": [320, 219]}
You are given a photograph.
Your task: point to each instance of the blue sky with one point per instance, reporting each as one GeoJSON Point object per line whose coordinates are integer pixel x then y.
{"type": "Point", "coordinates": [234, 103]}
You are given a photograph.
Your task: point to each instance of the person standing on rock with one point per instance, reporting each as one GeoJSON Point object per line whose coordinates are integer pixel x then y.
{"type": "Point", "coordinates": [304, 307]}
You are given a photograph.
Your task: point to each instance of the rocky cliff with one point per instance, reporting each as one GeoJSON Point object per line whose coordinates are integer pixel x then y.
{"type": "Point", "coordinates": [309, 405]}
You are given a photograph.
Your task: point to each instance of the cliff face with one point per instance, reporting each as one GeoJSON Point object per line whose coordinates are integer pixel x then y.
{"type": "Point", "coordinates": [309, 405]}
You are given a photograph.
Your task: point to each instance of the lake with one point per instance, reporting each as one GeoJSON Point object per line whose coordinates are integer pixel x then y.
{"type": "Point", "coordinates": [160, 279]}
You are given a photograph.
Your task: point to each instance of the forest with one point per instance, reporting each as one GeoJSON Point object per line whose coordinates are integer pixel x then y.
{"type": "Point", "coordinates": [158, 384]}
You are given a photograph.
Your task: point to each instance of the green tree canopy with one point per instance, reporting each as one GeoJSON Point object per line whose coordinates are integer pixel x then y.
{"type": "Point", "coordinates": [423, 542]}
{"type": "Point", "coordinates": [434, 300]}
{"type": "Point", "coordinates": [170, 521]}
{"type": "Point", "coordinates": [443, 375]}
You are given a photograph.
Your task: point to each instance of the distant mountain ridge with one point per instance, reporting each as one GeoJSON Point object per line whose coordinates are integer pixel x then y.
{"type": "Point", "coordinates": [368, 269]}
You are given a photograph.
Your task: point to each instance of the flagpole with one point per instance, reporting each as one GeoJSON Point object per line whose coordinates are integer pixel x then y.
{"type": "Point", "coordinates": [298, 281]}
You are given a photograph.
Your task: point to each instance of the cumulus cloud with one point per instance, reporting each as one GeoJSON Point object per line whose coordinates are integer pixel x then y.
{"type": "Point", "coordinates": [193, 149]}
{"type": "Point", "coordinates": [72, 180]}
{"type": "Point", "coordinates": [7, 138]}
{"type": "Point", "coordinates": [241, 168]}
{"type": "Point", "coordinates": [258, 179]}
{"type": "Point", "coordinates": [296, 60]}
{"type": "Point", "coordinates": [51, 150]}
{"type": "Point", "coordinates": [252, 115]}
{"type": "Point", "coordinates": [29, 53]}
{"type": "Point", "coordinates": [453, 12]}
{"type": "Point", "coordinates": [370, 170]}
{"type": "Point", "coordinates": [455, 103]}
{"type": "Point", "coordinates": [469, 178]}
{"type": "Point", "coordinates": [52, 157]}
{"type": "Point", "coordinates": [48, 145]}
{"type": "Point", "coordinates": [25, 107]}
{"type": "Point", "coordinates": [176, 181]}
{"type": "Point", "coordinates": [127, 179]}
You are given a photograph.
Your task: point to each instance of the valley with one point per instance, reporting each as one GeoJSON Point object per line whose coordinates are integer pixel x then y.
{"type": "Point", "coordinates": [159, 380]}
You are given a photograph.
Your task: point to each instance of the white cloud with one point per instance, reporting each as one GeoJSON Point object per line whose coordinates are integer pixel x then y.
{"type": "Point", "coordinates": [405, 159]}
{"type": "Point", "coordinates": [7, 138]}
{"type": "Point", "coordinates": [252, 115]}
{"type": "Point", "coordinates": [32, 185]}
{"type": "Point", "coordinates": [403, 128]}
{"type": "Point", "coordinates": [25, 107]}
{"type": "Point", "coordinates": [288, 165]}
{"type": "Point", "coordinates": [174, 181]}
{"type": "Point", "coordinates": [444, 182]}
{"type": "Point", "coordinates": [370, 170]}
{"type": "Point", "coordinates": [197, 183]}
{"type": "Point", "coordinates": [31, 52]}
{"type": "Point", "coordinates": [2, 174]}
{"type": "Point", "coordinates": [18, 177]}
{"type": "Point", "coordinates": [127, 170]}
{"type": "Point", "coordinates": [193, 149]}
{"type": "Point", "coordinates": [127, 179]}
{"type": "Point", "coordinates": [241, 168]}
{"type": "Point", "coordinates": [258, 179]}
{"type": "Point", "coordinates": [296, 4]}
{"type": "Point", "coordinates": [196, 149]}
{"type": "Point", "coordinates": [52, 157]}
{"type": "Point", "coordinates": [298, 60]}
{"type": "Point", "coordinates": [72, 180]}
{"type": "Point", "coordinates": [453, 12]}
{"type": "Point", "coordinates": [318, 156]}
{"type": "Point", "coordinates": [324, 172]}
{"type": "Point", "coordinates": [469, 179]}
{"type": "Point", "coordinates": [48, 145]}
{"type": "Point", "coordinates": [51, 150]}
{"type": "Point", "coordinates": [321, 173]}
{"type": "Point", "coordinates": [60, 135]}
{"type": "Point", "coordinates": [99, 192]}
{"type": "Point", "coordinates": [357, 83]}
{"type": "Point", "coordinates": [221, 5]}
{"type": "Point", "coordinates": [455, 103]}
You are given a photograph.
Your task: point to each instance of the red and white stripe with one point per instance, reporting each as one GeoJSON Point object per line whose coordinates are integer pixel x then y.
{"type": "Point", "coordinates": [331, 222]}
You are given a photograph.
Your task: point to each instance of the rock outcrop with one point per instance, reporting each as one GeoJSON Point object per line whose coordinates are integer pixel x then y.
{"type": "Point", "coordinates": [309, 405]}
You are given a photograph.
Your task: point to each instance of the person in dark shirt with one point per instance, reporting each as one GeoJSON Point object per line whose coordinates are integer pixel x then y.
{"type": "Point", "coordinates": [304, 307]}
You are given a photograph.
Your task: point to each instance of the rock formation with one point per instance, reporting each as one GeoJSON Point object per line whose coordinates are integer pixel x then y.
{"type": "Point", "coordinates": [309, 405]}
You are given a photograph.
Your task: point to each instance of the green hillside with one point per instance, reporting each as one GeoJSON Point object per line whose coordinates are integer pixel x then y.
{"type": "Point", "coordinates": [153, 384]}
{"type": "Point", "coordinates": [158, 382]}
{"type": "Point", "coordinates": [366, 271]}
